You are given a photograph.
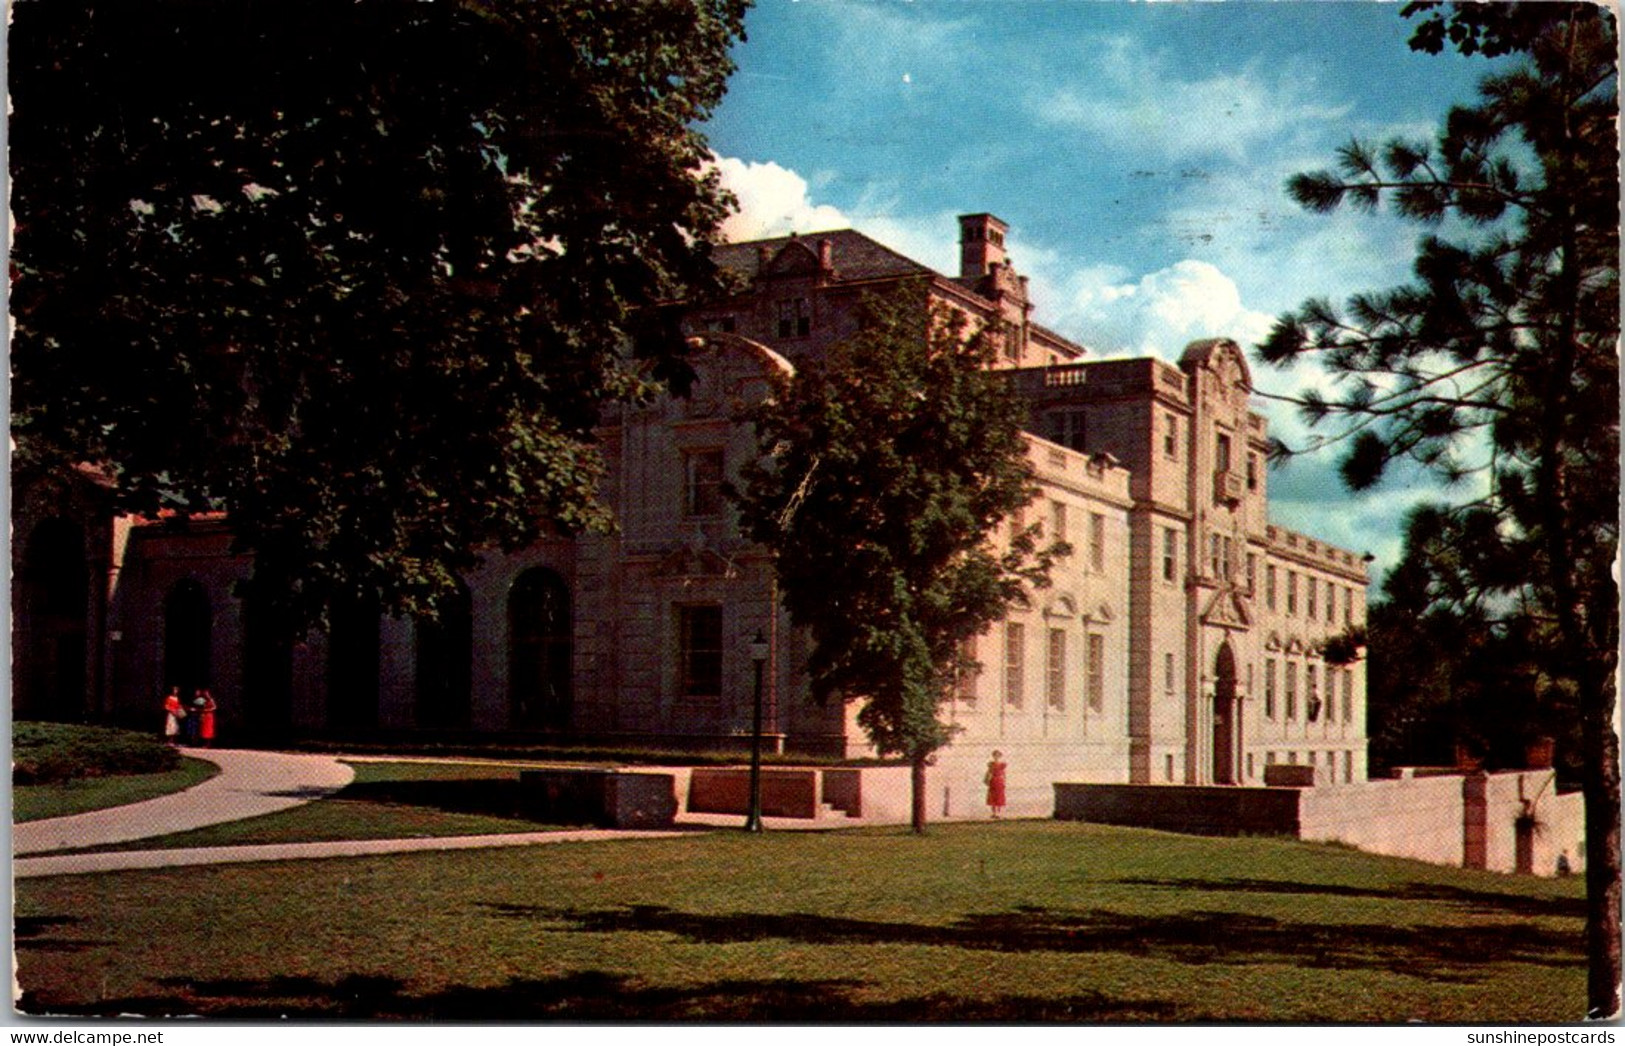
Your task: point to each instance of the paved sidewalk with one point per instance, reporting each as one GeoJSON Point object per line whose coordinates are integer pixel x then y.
{"type": "Point", "coordinates": [249, 784]}
{"type": "Point", "coordinates": [75, 864]}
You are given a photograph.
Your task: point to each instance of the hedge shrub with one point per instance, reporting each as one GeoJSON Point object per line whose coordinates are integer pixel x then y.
{"type": "Point", "coordinates": [46, 753]}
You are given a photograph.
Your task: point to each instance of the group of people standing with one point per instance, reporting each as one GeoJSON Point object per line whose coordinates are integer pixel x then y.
{"type": "Point", "coordinates": [189, 723]}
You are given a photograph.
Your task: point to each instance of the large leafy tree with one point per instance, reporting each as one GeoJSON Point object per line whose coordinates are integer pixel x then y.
{"type": "Point", "coordinates": [885, 468]}
{"type": "Point", "coordinates": [1498, 363]}
{"type": "Point", "coordinates": [358, 275]}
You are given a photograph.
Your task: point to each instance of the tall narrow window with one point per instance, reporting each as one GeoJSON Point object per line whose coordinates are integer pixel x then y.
{"type": "Point", "coordinates": [965, 692]}
{"type": "Point", "coordinates": [1170, 436]}
{"type": "Point", "coordinates": [1269, 688]}
{"type": "Point", "coordinates": [1097, 542]}
{"type": "Point", "coordinates": [700, 656]}
{"type": "Point", "coordinates": [1057, 513]}
{"type": "Point", "coordinates": [1015, 653]}
{"type": "Point", "coordinates": [1348, 695]}
{"type": "Point", "coordinates": [1168, 672]}
{"type": "Point", "coordinates": [1055, 677]}
{"type": "Point", "coordinates": [1311, 586]}
{"type": "Point", "coordinates": [1269, 587]}
{"type": "Point", "coordinates": [1252, 472]}
{"type": "Point", "coordinates": [1331, 694]}
{"type": "Point", "coordinates": [1097, 672]}
{"type": "Point", "coordinates": [1221, 453]}
{"type": "Point", "coordinates": [1291, 671]}
{"type": "Point", "coordinates": [1292, 592]}
{"type": "Point", "coordinates": [1252, 572]}
{"type": "Point", "coordinates": [1311, 696]}
{"type": "Point", "coordinates": [1348, 606]}
{"type": "Point", "coordinates": [1225, 561]}
{"type": "Point", "coordinates": [1213, 554]}
{"type": "Point", "coordinates": [1170, 554]}
{"type": "Point", "coordinates": [1331, 603]}
{"type": "Point", "coordinates": [702, 482]}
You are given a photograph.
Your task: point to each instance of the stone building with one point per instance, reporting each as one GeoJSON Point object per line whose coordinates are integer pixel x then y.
{"type": "Point", "coordinates": [1177, 644]}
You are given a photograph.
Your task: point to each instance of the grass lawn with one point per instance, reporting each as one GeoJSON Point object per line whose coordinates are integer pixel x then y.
{"type": "Point", "coordinates": [1020, 921]}
{"type": "Point", "coordinates": [83, 794]}
{"type": "Point", "coordinates": [385, 801]}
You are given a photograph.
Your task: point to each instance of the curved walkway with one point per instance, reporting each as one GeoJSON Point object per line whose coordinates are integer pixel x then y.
{"type": "Point", "coordinates": [249, 784]}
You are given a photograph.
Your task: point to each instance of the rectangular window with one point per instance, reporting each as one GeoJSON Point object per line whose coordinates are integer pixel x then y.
{"type": "Point", "coordinates": [1097, 542]}
{"type": "Point", "coordinates": [1269, 587]}
{"type": "Point", "coordinates": [1015, 653]}
{"type": "Point", "coordinates": [1348, 767]}
{"type": "Point", "coordinates": [1213, 554]}
{"type": "Point", "coordinates": [795, 320]}
{"type": "Point", "coordinates": [700, 655]}
{"type": "Point", "coordinates": [1269, 688]}
{"type": "Point", "coordinates": [1221, 453]}
{"type": "Point", "coordinates": [1331, 603]}
{"type": "Point", "coordinates": [1055, 679]}
{"type": "Point", "coordinates": [1168, 672]}
{"type": "Point", "coordinates": [1311, 696]}
{"type": "Point", "coordinates": [1168, 767]}
{"type": "Point", "coordinates": [1348, 606]}
{"type": "Point", "coordinates": [1097, 671]}
{"type": "Point", "coordinates": [1252, 572]}
{"type": "Point", "coordinates": [1292, 592]}
{"type": "Point", "coordinates": [1291, 671]}
{"type": "Point", "coordinates": [702, 482]}
{"type": "Point", "coordinates": [965, 692]}
{"type": "Point", "coordinates": [1225, 560]}
{"type": "Point", "coordinates": [1250, 774]}
{"type": "Point", "coordinates": [1314, 759]}
{"type": "Point", "coordinates": [1057, 513]}
{"type": "Point", "coordinates": [1348, 695]}
{"type": "Point", "coordinates": [1292, 758]}
{"type": "Point", "coordinates": [1331, 694]}
{"type": "Point", "coordinates": [1311, 586]}
{"type": "Point", "coordinates": [1067, 427]}
{"type": "Point", "coordinates": [1170, 554]}
{"type": "Point", "coordinates": [1252, 472]}
{"type": "Point", "coordinates": [1269, 758]}
{"type": "Point", "coordinates": [1170, 437]}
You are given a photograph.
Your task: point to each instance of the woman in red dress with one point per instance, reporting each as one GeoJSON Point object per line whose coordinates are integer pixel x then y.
{"type": "Point", "coordinates": [205, 717]}
{"type": "Point", "coordinates": [994, 779]}
{"type": "Point", "coordinates": [174, 712]}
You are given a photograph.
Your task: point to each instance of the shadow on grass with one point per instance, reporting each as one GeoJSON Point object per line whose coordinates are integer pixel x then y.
{"type": "Point", "coordinates": [33, 933]}
{"type": "Point", "coordinates": [494, 797]}
{"type": "Point", "coordinates": [592, 996]}
{"type": "Point", "coordinates": [1480, 900]}
{"type": "Point", "coordinates": [1447, 954]}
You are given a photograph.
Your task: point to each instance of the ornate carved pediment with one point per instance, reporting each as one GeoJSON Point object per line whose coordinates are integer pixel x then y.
{"type": "Point", "coordinates": [1061, 605]}
{"type": "Point", "coordinates": [695, 562]}
{"type": "Point", "coordinates": [1228, 608]}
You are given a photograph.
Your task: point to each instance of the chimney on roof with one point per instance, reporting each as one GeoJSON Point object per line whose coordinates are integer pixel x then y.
{"type": "Point", "coordinates": [981, 245]}
{"type": "Point", "coordinates": [826, 255]}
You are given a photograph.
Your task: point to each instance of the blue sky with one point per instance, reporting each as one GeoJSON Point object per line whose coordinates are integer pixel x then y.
{"type": "Point", "coordinates": [1137, 150]}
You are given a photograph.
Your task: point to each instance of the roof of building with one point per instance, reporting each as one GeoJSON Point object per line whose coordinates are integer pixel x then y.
{"type": "Point", "coordinates": [853, 255]}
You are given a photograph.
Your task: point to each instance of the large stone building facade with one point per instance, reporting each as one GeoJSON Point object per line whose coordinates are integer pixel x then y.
{"type": "Point", "coordinates": [1178, 643]}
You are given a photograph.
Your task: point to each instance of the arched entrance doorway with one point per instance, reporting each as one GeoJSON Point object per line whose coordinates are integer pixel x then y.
{"type": "Point", "coordinates": [539, 649]}
{"type": "Point", "coordinates": [1224, 715]}
{"type": "Point", "coordinates": [443, 664]}
{"type": "Point", "coordinates": [48, 677]}
{"type": "Point", "coordinates": [187, 637]}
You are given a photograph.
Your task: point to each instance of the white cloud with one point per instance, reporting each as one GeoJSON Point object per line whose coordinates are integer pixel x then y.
{"type": "Point", "coordinates": [773, 201]}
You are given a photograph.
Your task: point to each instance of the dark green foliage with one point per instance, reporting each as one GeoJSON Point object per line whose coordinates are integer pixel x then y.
{"type": "Point", "coordinates": [1499, 363]}
{"type": "Point", "coordinates": [359, 275]}
{"type": "Point", "coordinates": [886, 467]}
{"type": "Point", "coordinates": [46, 753]}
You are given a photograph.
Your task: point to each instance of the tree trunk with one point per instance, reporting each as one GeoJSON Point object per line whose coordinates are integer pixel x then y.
{"type": "Point", "coordinates": [1602, 848]}
{"type": "Point", "coordinates": [917, 792]}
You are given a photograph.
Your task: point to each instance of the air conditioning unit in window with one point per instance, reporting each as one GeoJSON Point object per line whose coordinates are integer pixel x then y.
{"type": "Point", "coordinates": [1227, 487]}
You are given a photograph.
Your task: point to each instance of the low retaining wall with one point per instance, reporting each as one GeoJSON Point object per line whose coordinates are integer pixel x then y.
{"type": "Point", "coordinates": [604, 798]}
{"type": "Point", "coordinates": [1194, 810]}
{"type": "Point", "coordinates": [1505, 822]}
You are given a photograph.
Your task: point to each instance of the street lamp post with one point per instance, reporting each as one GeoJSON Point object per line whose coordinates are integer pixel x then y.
{"type": "Point", "coordinates": [758, 657]}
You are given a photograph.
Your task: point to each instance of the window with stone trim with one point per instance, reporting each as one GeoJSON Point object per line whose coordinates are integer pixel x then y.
{"type": "Point", "coordinates": [1055, 674]}
{"type": "Point", "coordinates": [1290, 670]}
{"type": "Point", "coordinates": [795, 318]}
{"type": "Point", "coordinates": [1291, 592]}
{"type": "Point", "coordinates": [1311, 587]}
{"type": "Point", "coordinates": [1269, 688]}
{"type": "Point", "coordinates": [1015, 653]}
{"type": "Point", "coordinates": [1331, 694]}
{"type": "Point", "coordinates": [1331, 603]}
{"type": "Point", "coordinates": [699, 630]}
{"type": "Point", "coordinates": [1097, 672]}
{"type": "Point", "coordinates": [702, 482]}
{"type": "Point", "coordinates": [1170, 437]}
{"type": "Point", "coordinates": [1168, 672]}
{"type": "Point", "coordinates": [1311, 698]}
{"type": "Point", "coordinates": [1348, 695]}
{"type": "Point", "coordinates": [1097, 543]}
{"type": "Point", "coordinates": [1269, 587]}
{"type": "Point", "coordinates": [1069, 428]}
{"type": "Point", "coordinates": [1057, 515]}
{"type": "Point", "coordinates": [1170, 554]}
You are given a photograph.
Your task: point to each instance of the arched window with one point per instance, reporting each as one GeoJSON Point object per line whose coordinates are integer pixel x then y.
{"type": "Point", "coordinates": [539, 649]}
{"type": "Point", "coordinates": [54, 593]}
{"type": "Point", "coordinates": [187, 637]}
{"type": "Point", "coordinates": [443, 662]}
